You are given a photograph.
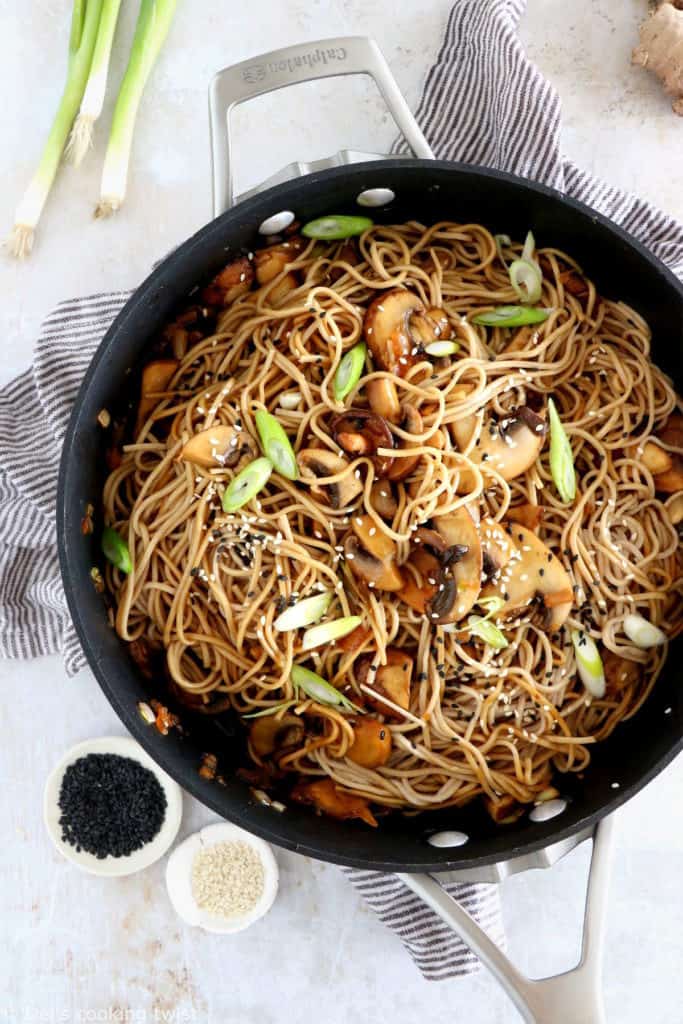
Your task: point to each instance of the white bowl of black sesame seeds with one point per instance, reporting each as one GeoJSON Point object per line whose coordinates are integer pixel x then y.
{"type": "Point", "coordinates": [109, 809]}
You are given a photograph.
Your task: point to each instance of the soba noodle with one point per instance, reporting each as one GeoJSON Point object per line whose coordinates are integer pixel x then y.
{"type": "Point", "coordinates": [206, 586]}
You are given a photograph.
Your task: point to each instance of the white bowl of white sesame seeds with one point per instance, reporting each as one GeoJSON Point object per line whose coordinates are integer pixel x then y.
{"type": "Point", "coordinates": [222, 879]}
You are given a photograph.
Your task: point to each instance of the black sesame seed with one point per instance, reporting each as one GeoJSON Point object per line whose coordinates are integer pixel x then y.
{"type": "Point", "coordinates": [541, 572]}
{"type": "Point", "coordinates": [110, 805]}
{"type": "Point", "coordinates": [422, 677]}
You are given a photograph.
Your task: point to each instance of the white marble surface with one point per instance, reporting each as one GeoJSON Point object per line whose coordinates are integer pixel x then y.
{"type": "Point", "coordinates": [79, 949]}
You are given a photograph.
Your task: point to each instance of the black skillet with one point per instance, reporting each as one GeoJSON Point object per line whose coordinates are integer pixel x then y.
{"type": "Point", "coordinates": [427, 190]}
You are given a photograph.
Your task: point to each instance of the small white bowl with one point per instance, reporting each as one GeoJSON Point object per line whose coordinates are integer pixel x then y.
{"type": "Point", "coordinates": [179, 879]}
{"type": "Point", "coordinates": [124, 746]}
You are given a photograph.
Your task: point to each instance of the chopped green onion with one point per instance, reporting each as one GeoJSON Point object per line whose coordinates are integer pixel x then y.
{"type": "Point", "coordinates": [491, 605]}
{"type": "Point", "coordinates": [561, 456]}
{"type": "Point", "coordinates": [272, 710]}
{"type": "Point", "coordinates": [246, 484]}
{"type": "Point", "coordinates": [319, 689]}
{"type": "Point", "coordinates": [154, 21]}
{"type": "Point", "coordinates": [326, 632]}
{"type": "Point", "coordinates": [527, 280]}
{"type": "Point", "coordinates": [146, 713]}
{"type": "Point", "coordinates": [115, 549]}
{"type": "Point", "coordinates": [502, 240]}
{"type": "Point", "coordinates": [487, 632]}
{"type": "Point", "coordinates": [529, 246]}
{"type": "Point", "coordinates": [589, 663]}
{"type": "Point", "coordinates": [439, 349]}
{"type": "Point", "coordinates": [511, 316]}
{"type": "Point", "coordinates": [289, 400]}
{"type": "Point", "coordinates": [80, 139]}
{"type": "Point", "coordinates": [643, 633]}
{"type": "Point", "coordinates": [85, 20]}
{"type": "Point", "coordinates": [336, 226]}
{"type": "Point", "coordinates": [276, 445]}
{"type": "Point", "coordinates": [303, 613]}
{"type": "Point", "coordinates": [349, 371]}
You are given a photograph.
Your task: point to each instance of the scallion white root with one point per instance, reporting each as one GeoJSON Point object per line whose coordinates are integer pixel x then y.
{"type": "Point", "coordinates": [81, 136]}
{"type": "Point", "coordinates": [154, 20]}
{"type": "Point", "coordinates": [85, 21]}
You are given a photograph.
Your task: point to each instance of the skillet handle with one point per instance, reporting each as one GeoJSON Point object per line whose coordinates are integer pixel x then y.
{"type": "Point", "coordinates": [574, 997]}
{"type": "Point", "coordinates": [326, 58]}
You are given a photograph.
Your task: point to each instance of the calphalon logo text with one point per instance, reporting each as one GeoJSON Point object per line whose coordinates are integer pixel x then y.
{"type": "Point", "coordinates": [257, 72]}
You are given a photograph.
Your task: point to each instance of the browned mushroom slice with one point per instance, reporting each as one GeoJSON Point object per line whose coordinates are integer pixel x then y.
{"type": "Point", "coordinates": [371, 555]}
{"type": "Point", "coordinates": [278, 291]}
{"type": "Point", "coordinates": [392, 680]}
{"type": "Point", "coordinates": [360, 432]}
{"type": "Point", "coordinates": [329, 799]}
{"type": "Point", "coordinates": [156, 377]}
{"type": "Point", "coordinates": [672, 480]}
{"type": "Point", "coordinates": [497, 547]}
{"type": "Point", "coordinates": [426, 562]}
{"type": "Point", "coordinates": [318, 463]}
{"type": "Point", "coordinates": [388, 331]}
{"type": "Point", "coordinates": [654, 458]}
{"type": "Point", "coordinates": [219, 445]}
{"type": "Point", "coordinates": [674, 506]}
{"type": "Point", "coordinates": [269, 733]}
{"type": "Point", "coordinates": [504, 810]}
{"type": "Point", "coordinates": [353, 642]}
{"type": "Point", "coordinates": [371, 747]}
{"type": "Point", "coordinates": [521, 340]}
{"type": "Point", "coordinates": [234, 280]}
{"type": "Point", "coordinates": [411, 422]}
{"type": "Point", "coordinates": [510, 446]}
{"type": "Point", "coordinates": [272, 261]}
{"type": "Point", "coordinates": [536, 575]}
{"type": "Point", "coordinates": [383, 399]}
{"type": "Point", "coordinates": [458, 530]}
{"type": "Point", "coordinates": [620, 673]}
{"type": "Point", "coordinates": [528, 515]}
{"type": "Point", "coordinates": [383, 500]}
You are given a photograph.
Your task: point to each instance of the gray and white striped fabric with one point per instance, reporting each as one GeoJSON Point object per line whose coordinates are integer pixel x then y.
{"type": "Point", "coordinates": [483, 102]}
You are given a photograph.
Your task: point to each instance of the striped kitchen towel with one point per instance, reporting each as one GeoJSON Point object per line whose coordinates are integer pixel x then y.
{"type": "Point", "coordinates": [483, 102]}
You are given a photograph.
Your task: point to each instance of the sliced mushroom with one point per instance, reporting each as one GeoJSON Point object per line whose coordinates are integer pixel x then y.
{"type": "Point", "coordinates": [674, 506]}
{"type": "Point", "coordinates": [156, 377]}
{"type": "Point", "coordinates": [383, 399]}
{"type": "Point", "coordinates": [411, 422]}
{"type": "Point", "coordinates": [272, 261]}
{"type": "Point", "coordinates": [383, 500]}
{"type": "Point", "coordinates": [620, 673]}
{"type": "Point", "coordinates": [672, 431]}
{"type": "Point", "coordinates": [528, 515]}
{"type": "Point", "coordinates": [497, 547]}
{"type": "Point", "coordinates": [392, 680]}
{"type": "Point", "coordinates": [504, 810]}
{"type": "Point", "coordinates": [574, 283]}
{"type": "Point", "coordinates": [536, 575]}
{"type": "Point", "coordinates": [510, 446]}
{"type": "Point", "coordinates": [234, 280]}
{"type": "Point", "coordinates": [459, 532]}
{"type": "Point", "coordinates": [354, 642]}
{"type": "Point", "coordinates": [269, 733]}
{"type": "Point", "coordinates": [387, 327]}
{"type": "Point", "coordinates": [371, 555]}
{"type": "Point", "coordinates": [219, 445]}
{"type": "Point", "coordinates": [654, 458]}
{"type": "Point", "coordinates": [327, 798]}
{"type": "Point", "coordinates": [426, 563]}
{"type": "Point", "coordinates": [318, 463]}
{"type": "Point", "coordinates": [672, 480]}
{"type": "Point", "coordinates": [371, 747]}
{"type": "Point", "coordinates": [277, 292]}
{"type": "Point", "coordinates": [521, 340]}
{"type": "Point", "coordinates": [360, 432]}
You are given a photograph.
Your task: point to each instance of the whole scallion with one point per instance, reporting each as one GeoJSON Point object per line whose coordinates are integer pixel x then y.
{"type": "Point", "coordinates": [80, 139]}
{"type": "Point", "coordinates": [85, 20]}
{"type": "Point", "coordinates": [154, 20]}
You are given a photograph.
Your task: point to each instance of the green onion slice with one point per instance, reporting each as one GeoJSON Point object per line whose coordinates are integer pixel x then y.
{"type": "Point", "coordinates": [303, 613]}
{"type": "Point", "coordinates": [511, 316]}
{"type": "Point", "coordinates": [317, 688]}
{"type": "Point", "coordinates": [349, 371]}
{"type": "Point", "coordinates": [246, 484]}
{"type": "Point", "coordinates": [272, 710]}
{"type": "Point", "coordinates": [643, 633]}
{"type": "Point", "coordinates": [336, 225]}
{"type": "Point", "coordinates": [326, 632]}
{"type": "Point", "coordinates": [491, 605]}
{"type": "Point", "coordinates": [115, 549]}
{"type": "Point", "coordinates": [487, 632]}
{"type": "Point", "coordinates": [439, 349]}
{"type": "Point", "coordinates": [529, 246]}
{"type": "Point", "coordinates": [561, 456]}
{"type": "Point", "coordinates": [527, 280]}
{"type": "Point", "coordinates": [589, 663]}
{"type": "Point", "coordinates": [276, 445]}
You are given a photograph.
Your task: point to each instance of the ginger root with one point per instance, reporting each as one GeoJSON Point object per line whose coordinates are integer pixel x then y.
{"type": "Point", "coordinates": [661, 48]}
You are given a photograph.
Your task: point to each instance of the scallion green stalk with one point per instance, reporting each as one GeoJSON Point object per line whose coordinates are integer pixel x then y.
{"type": "Point", "coordinates": [80, 139]}
{"type": "Point", "coordinates": [154, 20]}
{"type": "Point", "coordinates": [85, 20]}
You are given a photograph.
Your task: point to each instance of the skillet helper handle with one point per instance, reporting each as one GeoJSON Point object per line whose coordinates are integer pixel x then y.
{"type": "Point", "coordinates": [574, 997]}
{"type": "Point", "coordinates": [326, 58]}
